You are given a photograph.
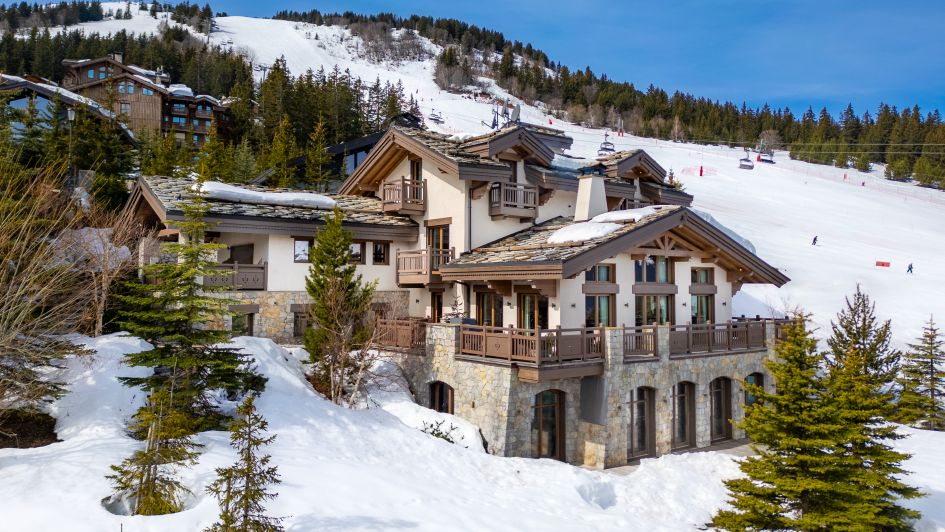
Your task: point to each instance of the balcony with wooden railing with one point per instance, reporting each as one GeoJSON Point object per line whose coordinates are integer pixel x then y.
{"type": "Point", "coordinates": [421, 267]}
{"type": "Point", "coordinates": [203, 113]}
{"type": "Point", "coordinates": [716, 338]}
{"type": "Point", "coordinates": [408, 335]}
{"type": "Point", "coordinates": [640, 344]}
{"type": "Point", "coordinates": [405, 196]}
{"type": "Point", "coordinates": [513, 200]}
{"type": "Point", "coordinates": [538, 354]}
{"type": "Point", "coordinates": [238, 276]}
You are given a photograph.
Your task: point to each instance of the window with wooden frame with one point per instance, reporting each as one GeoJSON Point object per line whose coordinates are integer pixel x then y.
{"type": "Point", "coordinates": [703, 309]}
{"type": "Point", "coordinates": [703, 276]}
{"type": "Point", "coordinates": [357, 252]}
{"type": "Point", "coordinates": [756, 379]}
{"type": "Point", "coordinates": [532, 311]}
{"type": "Point", "coordinates": [641, 439]}
{"type": "Point", "coordinates": [381, 253]}
{"type": "Point", "coordinates": [684, 415]}
{"type": "Point", "coordinates": [301, 249]}
{"type": "Point", "coordinates": [299, 323]}
{"type": "Point", "coordinates": [242, 325]}
{"type": "Point", "coordinates": [436, 306]}
{"type": "Point", "coordinates": [489, 309]}
{"type": "Point", "coordinates": [600, 310]}
{"type": "Point", "coordinates": [601, 273]}
{"type": "Point", "coordinates": [416, 169]}
{"type": "Point", "coordinates": [441, 397]}
{"type": "Point", "coordinates": [548, 425]}
{"type": "Point", "coordinates": [654, 270]}
{"type": "Point", "coordinates": [657, 309]}
{"type": "Point", "coordinates": [720, 409]}
{"type": "Point", "coordinates": [438, 242]}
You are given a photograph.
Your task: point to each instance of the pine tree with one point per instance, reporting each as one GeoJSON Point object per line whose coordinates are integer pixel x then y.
{"type": "Point", "coordinates": [176, 315]}
{"type": "Point", "coordinates": [213, 160]}
{"type": "Point", "coordinates": [922, 395]}
{"type": "Point", "coordinates": [317, 159]}
{"type": "Point", "coordinates": [242, 488]}
{"type": "Point", "coordinates": [244, 163]}
{"type": "Point", "coordinates": [146, 483]}
{"type": "Point", "coordinates": [865, 447]}
{"type": "Point", "coordinates": [282, 150]}
{"type": "Point", "coordinates": [858, 333]}
{"type": "Point", "coordinates": [160, 156]}
{"type": "Point", "coordinates": [795, 482]}
{"type": "Point", "coordinates": [340, 302]}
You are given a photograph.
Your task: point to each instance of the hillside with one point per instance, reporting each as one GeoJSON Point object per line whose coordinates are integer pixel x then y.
{"type": "Point", "coordinates": [860, 218]}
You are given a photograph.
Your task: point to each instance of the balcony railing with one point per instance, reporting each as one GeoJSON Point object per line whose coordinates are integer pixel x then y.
{"type": "Point", "coordinates": [639, 343]}
{"type": "Point", "coordinates": [422, 266]}
{"type": "Point", "coordinates": [238, 276]}
{"type": "Point", "coordinates": [179, 111]}
{"type": "Point", "coordinates": [406, 334]}
{"type": "Point", "coordinates": [407, 196]}
{"type": "Point", "coordinates": [203, 114]}
{"type": "Point", "coordinates": [534, 347]}
{"type": "Point", "coordinates": [716, 337]}
{"type": "Point", "coordinates": [513, 200]}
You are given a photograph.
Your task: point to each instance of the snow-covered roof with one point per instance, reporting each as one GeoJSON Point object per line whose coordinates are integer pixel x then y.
{"type": "Point", "coordinates": [225, 192]}
{"type": "Point", "coordinates": [179, 89]}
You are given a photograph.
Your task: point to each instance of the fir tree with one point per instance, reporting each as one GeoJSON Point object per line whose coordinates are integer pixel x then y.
{"type": "Point", "coordinates": [864, 447]}
{"type": "Point", "coordinates": [146, 482]}
{"type": "Point", "coordinates": [340, 302]}
{"type": "Point", "coordinates": [176, 315]}
{"type": "Point", "coordinates": [317, 159]}
{"type": "Point", "coordinates": [214, 160]}
{"type": "Point", "coordinates": [795, 482]}
{"type": "Point", "coordinates": [922, 395]}
{"type": "Point", "coordinates": [243, 163]}
{"type": "Point", "coordinates": [242, 488]}
{"type": "Point", "coordinates": [160, 156]}
{"type": "Point", "coordinates": [859, 334]}
{"type": "Point", "coordinates": [282, 150]}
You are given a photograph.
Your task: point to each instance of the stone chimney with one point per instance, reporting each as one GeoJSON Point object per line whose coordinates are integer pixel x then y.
{"type": "Point", "coordinates": [591, 197]}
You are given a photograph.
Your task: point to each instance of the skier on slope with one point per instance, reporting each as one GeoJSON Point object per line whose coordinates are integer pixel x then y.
{"type": "Point", "coordinates": [909, 269]}
{"type": "Point", "coordinates": [814, 243]}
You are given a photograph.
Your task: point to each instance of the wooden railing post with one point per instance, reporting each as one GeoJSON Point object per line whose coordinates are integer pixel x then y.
{"type": "Point", "coordinates": [728, 328]}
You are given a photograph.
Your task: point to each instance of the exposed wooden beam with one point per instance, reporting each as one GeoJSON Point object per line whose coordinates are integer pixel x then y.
{"type": "Point", "coordinates": [502, 287]}
{"type": "Point", "coordinates": [547, 287]}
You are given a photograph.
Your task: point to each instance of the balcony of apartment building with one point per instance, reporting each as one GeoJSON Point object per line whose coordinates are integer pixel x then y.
{"type": "Point", "coordinates": [405, 196]}
{"type": "Point", "coordinates": [237, 276]}
{"type": "Point", "coordinates": [203, 112]}
{"type": "Point", "coordinates": [422, 267]}
{"type": "Point", "coordinates": [179, 109]}
{"type": "Point", "coordinates": [513, 200]}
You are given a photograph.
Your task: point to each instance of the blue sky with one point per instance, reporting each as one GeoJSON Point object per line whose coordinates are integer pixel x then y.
{"type": "Point", "coordinates": [795, 53]}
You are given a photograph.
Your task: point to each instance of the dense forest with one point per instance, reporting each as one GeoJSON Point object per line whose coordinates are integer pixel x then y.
{"type": "Point", "coordinates": [911, 141]}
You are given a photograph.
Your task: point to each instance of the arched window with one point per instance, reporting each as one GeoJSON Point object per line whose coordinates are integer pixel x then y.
{"type": "Point", "coordinates": [684, 415]}
{"type": "Point", "coordinates": [642, 431]}
{"type": "Point", "coordinates": [720, 397]}
{"type": "Point", "coordinates": [548, 425]}
{"type": "Point", "coordinates": [441, 397]}
{"type": "Point", "coordinates": [757, 379]}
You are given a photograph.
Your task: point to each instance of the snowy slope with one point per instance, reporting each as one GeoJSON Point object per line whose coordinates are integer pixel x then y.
{"type": "Point", "coordinates": [779, 207]}
{"type": "Point", "coordinates": [365, 469]}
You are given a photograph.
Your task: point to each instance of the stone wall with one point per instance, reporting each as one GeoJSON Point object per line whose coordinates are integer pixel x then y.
{"type": "Point", "coordinates": [492, 397]}
{"type": "Point", "coordinates": [275, 317]}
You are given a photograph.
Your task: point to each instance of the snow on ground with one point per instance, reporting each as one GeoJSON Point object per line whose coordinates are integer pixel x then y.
{"type": "Point", "coordinates": [341, 469]}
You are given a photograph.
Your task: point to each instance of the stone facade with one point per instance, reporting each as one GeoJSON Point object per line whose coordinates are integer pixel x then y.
{"type": "Point", "coordinates": [275, 315]}
{"type": "Point", "coordinates": [492, 397]}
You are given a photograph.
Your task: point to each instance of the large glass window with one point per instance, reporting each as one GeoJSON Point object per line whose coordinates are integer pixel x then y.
{"type": "Point", "coordinates": [436, 306]}
{"type": "Point", "coordinates": [703, 309]}
{"type": "Point", "coordinates": [684, 419]}
{"type": "Point", "coordinates": [599, 310]}
{"type": "Point", "coordinates": [489, 309]}
{"type": "Point", "coordinates": [720, 395]}
{"type": "Point", "coordinates": [642, 436]}
{"type": "Point", "coordinates": [548, 425]}
{"type": "Point", "coordinates": [702, 276]}
{"type": "Point", "coordinates": [654, 270]}
{"type": "Point", "coordinates": [532, 311]}
{"type": "Point", "coordinates": [654, 309]}
{"type": "Point", "coordinates": [438, 240]}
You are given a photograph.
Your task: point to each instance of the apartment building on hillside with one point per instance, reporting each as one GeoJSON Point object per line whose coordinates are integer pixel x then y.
{"type": "Point", "coordinates": [597, 319]}
{"type": "Point", "coordinates": [146, 99]}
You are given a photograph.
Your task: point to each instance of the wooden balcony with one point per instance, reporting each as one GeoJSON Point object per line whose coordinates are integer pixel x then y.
{"type": "Point", "coordinates": [179, 111]}
{"type": "Point", "coordinates": [407, 196]}
{"type": "Point", "coordinates": [513, 200]}
{"type": "Point", "coordinates": [538, 354]}
{"type": "Point", "coordinates": [203, 114]}
{"type": "Point", "coordinates": [421, 267]}
{"type": "Point", "coordinates": [716, 338]}
{"type": "Point", "coordinates": [238, 276]}
{"type": "Point", "coordinates": [408, 335]}
{"type": "Point", "coordinates": [640, 344]}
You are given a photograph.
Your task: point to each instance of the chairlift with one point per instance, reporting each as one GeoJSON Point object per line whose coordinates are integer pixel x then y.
{"type": "Point", "coordinates": [606, 147]}
{"type": "Point", "coordinates": [746, 164]}
{"type": "Point", "coordinates": [766, 157]}
{"type": "Point", "coordinates": [436, 117]}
